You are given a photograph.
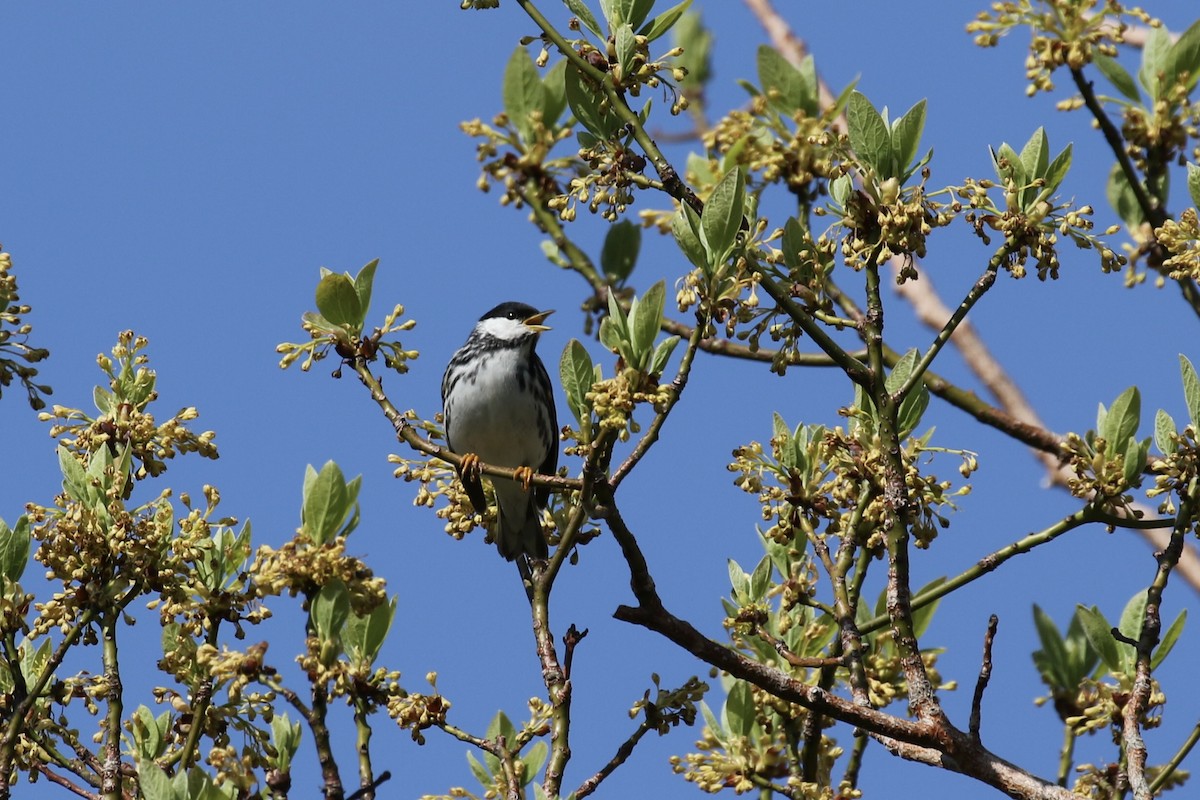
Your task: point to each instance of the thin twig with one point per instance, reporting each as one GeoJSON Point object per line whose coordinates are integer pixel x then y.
{"type": "Point", "coordinates": [985, 674]}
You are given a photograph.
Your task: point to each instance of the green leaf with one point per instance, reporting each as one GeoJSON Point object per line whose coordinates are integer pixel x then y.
{"type": "Point", "coordinates": [782, 84]}
{"type": "Point", "coordinates": [533, 760]}
{"type": "Point", "coordinates": [923, 616]}
{"type": "Point", "coordinates": [1052, 660]}
{"type": "Point", "coordinates": [364, 635]}
{"type": "Point", "coordinates": [330, 610]}
{"type": "Point", "coordinates": [1168, 640]}
{"type": "Point", "coordinates": [337, 300]}
{"type": "Point", "coordinates": [1123, 417]}
{"type": "Point", "coordinates": [1184, 56]}
{"type": "Point", "coordinates": [584, 14]}
{"type": "Point", "coordinates": [688, 232]}
{"type": "Point", "coordinates": [154, 783]}
{"type": "Point", "coordinates": [1193, 183]}
{"type": "Point", "coordinates": [585, 102]}
{"type": "Point", "coordinates": [664, 21]}
{"type": "Point", "coordinates": [555, 94]}
{"type": "Point", "coordinates": [1117, 75]}
{"type": "Point", "coordinates": [645, 323]}
{"type": "Point", "coordinates": [1056, 172]}
{"type": "Point", "coordinates": [1122, 199]}
{"type": "Point", "coordinates": [103, 400]}
{"type": "Point", "coordinates": [626, 45]}
{"type": "Point", "coordinates": [1009, 167]}
{"type": "Point", "coordinates": [1164, 432]}
{"type": "Point", "coordinates": [760, 580]}
{"type": "Point", "coordinates": [523, 92]}
{"type": "Point", "coordinates": [14, 548]}
{"type": "Point", "coordinates": [722, 216]}
{"type": "Point", "coordinates": [912, 409]}
{"type": "Point", "coordinates": [480, 772]}
{"type": "Point", "coordinates": [713, 724]}
{"type": "Point", "coordinates": [363, 282]}
{"type": "Point", "coordinates": [576, 371]}
{"type": "Point", "coordinates": [1191, 390]}
{"type": "Point", "coordinates": [621, 246]}
{"type": "Point", "coordinates": [75, 480]}
{"type": "Point", "coordinates": [739, 582]}
{"type": "Point", "coordinates": [1035, 155]}
{"type": "Point", "coordinates": [1099, 633]}
{"type": "Point", "coordinates": [869, 135]}
{"type": "Point", "coordinates": [1154, 61]}
{"type": "Point", "coordinates": [901, 371]}
{"type": "Point", "coordinates": [326, 503]}
{"type": "Point", "coordinates": [739, 709]}
{"type": "Point", "coordinates": [662, 354]}
{"type": "Point", "coordinates": [906, 136]}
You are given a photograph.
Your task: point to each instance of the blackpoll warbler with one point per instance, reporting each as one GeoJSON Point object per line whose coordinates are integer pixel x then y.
{"type": "Point", "coordinates": [498, 407]}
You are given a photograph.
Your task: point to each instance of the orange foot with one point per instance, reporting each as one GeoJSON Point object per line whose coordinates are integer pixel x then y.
{"type": "Point", "coordinates": [469, 468]}
{"type": "Point", "coordinates": [524, 476]}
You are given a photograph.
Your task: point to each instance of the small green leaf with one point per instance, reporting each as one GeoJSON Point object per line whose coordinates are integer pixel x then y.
{"type": "Point", "coordinates": [781, 83]}
{"type": "Point", "coordinates": [713, 724]}
{"type": "Point", "coordinates": [337, 300]}
{"type": "Point", "coordinates": [901, 371]}
{"type": "Point", "coordinates": [103, 400]}
{"type": "Point", "coordinates": [1117, 75]}
{"type": "Point", "coordinates": [869, 136]}
{"type": "Point", "coordinates": [1168, 640]}
{"type": "Point", "coordinates": [626, 44]}
{"type": "Point", "coordinates": [739, 709]}
{"type": "Point", "coordinates": [1193, 183]}
{"type": "Point", "coordinates": [584, 14]}
{"type": "Point", "coordinates": [533, 760]}
{"type": "Point", "coordinates": [1154, 61]}
{"type": "Point", "coordinates": [1133, 619]}
{"type": "Point", "coordinates": [664, 21]}
{"type": "Point", "coordinates": [555, 94]}
{"type": "Point", "coordinates": [912, 408]}
{"type": "Point", "coordinates": [688, 232]}
{"type": "Point", "coordinates": [363, 283]}
{"type": "Point", "coordinates": [1035, 155]}
{"type": "Point", "coordinates": [576, 372]}
{"type": "Point", "coordinates": [645, 326]}
{"type": "Point", "coordinates": [1123, 418]}
{"type": "Point", "coordinates": [1122, 199]}
{"type": "Point", "coordinates": [722, 216]}
{"type": "Point", "coordinates": [480, 772]}
{"type": "Point", "coordinates": [523, 92]}
{"type": "Point", "coordinates": [1009, 167]}
{"type": "Point", "coordinates": [1052, 660]}
{"type": "Point", "coordinates": [621, 246]}
{"type": "Point", "coordinates": [14, 548]}
{"type": "Point", "coordinates": [154, 783]}
{"type": "Point", "coordinates": [1191, 390]}
{"type": "Point", "coordinates": [1164, 432]}
{"type": "Point", "coordinates": [760, 580]}
{"type": "Point", "coordinates": [1099, 633]}
{"type": "Point", "coordinates": [326, 503]}
{"type": "Point", "coordinates": [662, 354]}
{"type": "Point", "coordinates": [906, 136]}
{"type": "Point", "coordinates": [75, 480]}
{"type": "Point", "coordinates": [923, 616]}
{"type": "Point", "coordinates": [1184, 56]}
{"type": "Point", "coordinates": [739, 581]}
{"type": "Point", "coordinates": [330, 610]}
{"type": "Point", "coordinates": [1056, 172]}
{"type": "Point", "coordinates": [585, 103]}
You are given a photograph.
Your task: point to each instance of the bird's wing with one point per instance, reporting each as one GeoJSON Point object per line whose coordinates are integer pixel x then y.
{"type": "Point", "coordinates": [550, 465]}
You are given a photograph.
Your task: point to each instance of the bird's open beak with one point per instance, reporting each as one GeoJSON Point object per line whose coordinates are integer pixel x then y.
{"type": "Point", "coordinates": [534, 323]}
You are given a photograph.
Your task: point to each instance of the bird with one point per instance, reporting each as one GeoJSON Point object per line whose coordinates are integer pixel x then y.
{"type": "Point", "coordinates": [498, 408]}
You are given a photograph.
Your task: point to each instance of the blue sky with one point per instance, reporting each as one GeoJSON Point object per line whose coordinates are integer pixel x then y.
{"type": "Point", "coordinates": [184, 171]}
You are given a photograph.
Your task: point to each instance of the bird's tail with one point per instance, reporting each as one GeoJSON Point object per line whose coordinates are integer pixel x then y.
{"type": "Point", "coordinates": [518, 531]}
